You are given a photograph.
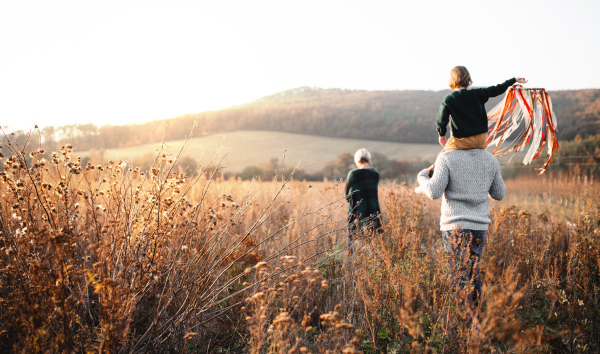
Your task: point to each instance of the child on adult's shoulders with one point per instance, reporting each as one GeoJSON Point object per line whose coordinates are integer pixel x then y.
{"type": "Point", "coordinates": [464, 109]}
{"type": "Point", "coordinates": [466, 106]}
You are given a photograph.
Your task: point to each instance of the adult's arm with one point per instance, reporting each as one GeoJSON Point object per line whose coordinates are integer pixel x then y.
{"type": "Point", "coordinates": [349, 182]}
{"type": "Point", "coordinates": [497, 189]}
{"type": "Point", "coordinates": [435, 186]}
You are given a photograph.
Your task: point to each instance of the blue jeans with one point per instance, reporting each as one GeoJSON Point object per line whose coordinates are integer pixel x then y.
{"type": "Point", "coordinates": [464, 248]}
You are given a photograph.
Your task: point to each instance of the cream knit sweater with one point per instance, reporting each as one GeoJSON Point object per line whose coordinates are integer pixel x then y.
{"type": "Point", "coordinates": [464, 179]}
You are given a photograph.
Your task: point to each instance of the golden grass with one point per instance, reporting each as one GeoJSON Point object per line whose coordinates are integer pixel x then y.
{"type": "Point", "coordinates": [564, 196]}
{"type": "Point", "coordinates": [107, 258]}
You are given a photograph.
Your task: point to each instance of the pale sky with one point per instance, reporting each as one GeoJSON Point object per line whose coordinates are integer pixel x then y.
{"type": "Point", "coordinates": [120, 62]}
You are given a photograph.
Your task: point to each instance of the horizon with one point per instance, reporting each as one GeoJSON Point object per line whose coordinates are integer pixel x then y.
{"type": "Point", "coordinates": [120, 63]}
{"type": "Point", "coordinates": [8, 128]}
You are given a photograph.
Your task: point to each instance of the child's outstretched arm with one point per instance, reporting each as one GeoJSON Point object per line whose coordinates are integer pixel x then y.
{"type": "Point", "coordinates": [499, 89]}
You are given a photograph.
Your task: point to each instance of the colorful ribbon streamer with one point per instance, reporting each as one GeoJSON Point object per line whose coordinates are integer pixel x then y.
{"type": "Point", "coordinates": [524, 116]}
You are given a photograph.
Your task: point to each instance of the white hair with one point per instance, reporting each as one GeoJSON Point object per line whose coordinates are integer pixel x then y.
{"type": "Point", "coordinates": [362, 154]}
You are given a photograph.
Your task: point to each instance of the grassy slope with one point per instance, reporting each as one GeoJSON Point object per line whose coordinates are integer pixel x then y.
{"type": "Point", "coordinates": [246, 148]}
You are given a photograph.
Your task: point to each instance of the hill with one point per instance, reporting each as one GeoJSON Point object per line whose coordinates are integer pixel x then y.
{"type": "Point", "coordinates": [399, 116]}
{"type": "Point", "coordinates": [394, 116]}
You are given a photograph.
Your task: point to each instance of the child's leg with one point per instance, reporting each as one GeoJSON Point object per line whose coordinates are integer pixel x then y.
{"type": "Point", "coordinates": [471, 142]}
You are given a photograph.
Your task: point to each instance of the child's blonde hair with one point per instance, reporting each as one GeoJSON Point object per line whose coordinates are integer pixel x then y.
{"type": "Point", "coordinates": [459, 77]}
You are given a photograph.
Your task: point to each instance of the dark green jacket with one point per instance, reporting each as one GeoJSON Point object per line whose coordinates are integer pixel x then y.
{"type": "Point", "coordinates": [361, 194]}
{"type": "Point", "coordinates": [467, 109]}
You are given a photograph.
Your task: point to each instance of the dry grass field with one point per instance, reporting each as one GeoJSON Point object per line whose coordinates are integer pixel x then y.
{"type": "Point", "coordinates": [107, 258]}
{"type": "Point", "coordinates": [246, 148]}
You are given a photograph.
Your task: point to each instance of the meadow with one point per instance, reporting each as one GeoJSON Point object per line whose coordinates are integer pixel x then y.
{"type": "Point", "coordinates": [246, 148]}
{"type": "Point", "coordinates": [105, 257]}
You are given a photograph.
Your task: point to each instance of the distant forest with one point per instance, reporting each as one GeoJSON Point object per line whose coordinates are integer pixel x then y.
{"type": "Point", "coordinates": [397, 116]}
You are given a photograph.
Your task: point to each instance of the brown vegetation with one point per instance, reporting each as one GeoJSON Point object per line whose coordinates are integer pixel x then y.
{"type": "Point", "coordinates": [104, 257]}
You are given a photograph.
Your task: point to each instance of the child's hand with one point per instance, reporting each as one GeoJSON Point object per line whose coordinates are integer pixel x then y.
{"type": "Point", "coordinates": [521, 80]}
{"type": "Point", "coordinates": [443, 140]}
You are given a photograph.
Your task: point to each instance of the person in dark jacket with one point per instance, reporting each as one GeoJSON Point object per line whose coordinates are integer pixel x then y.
{"type": "Point", "coordinates": [361, 194]}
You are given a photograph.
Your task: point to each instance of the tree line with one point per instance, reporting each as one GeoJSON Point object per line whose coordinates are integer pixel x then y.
{"type": "Point", "coordinates": [577, 157]}
{"type": "Point", "coordinates": [580, 156]}
{"type": "Point", "coordinates": [398, 169]}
